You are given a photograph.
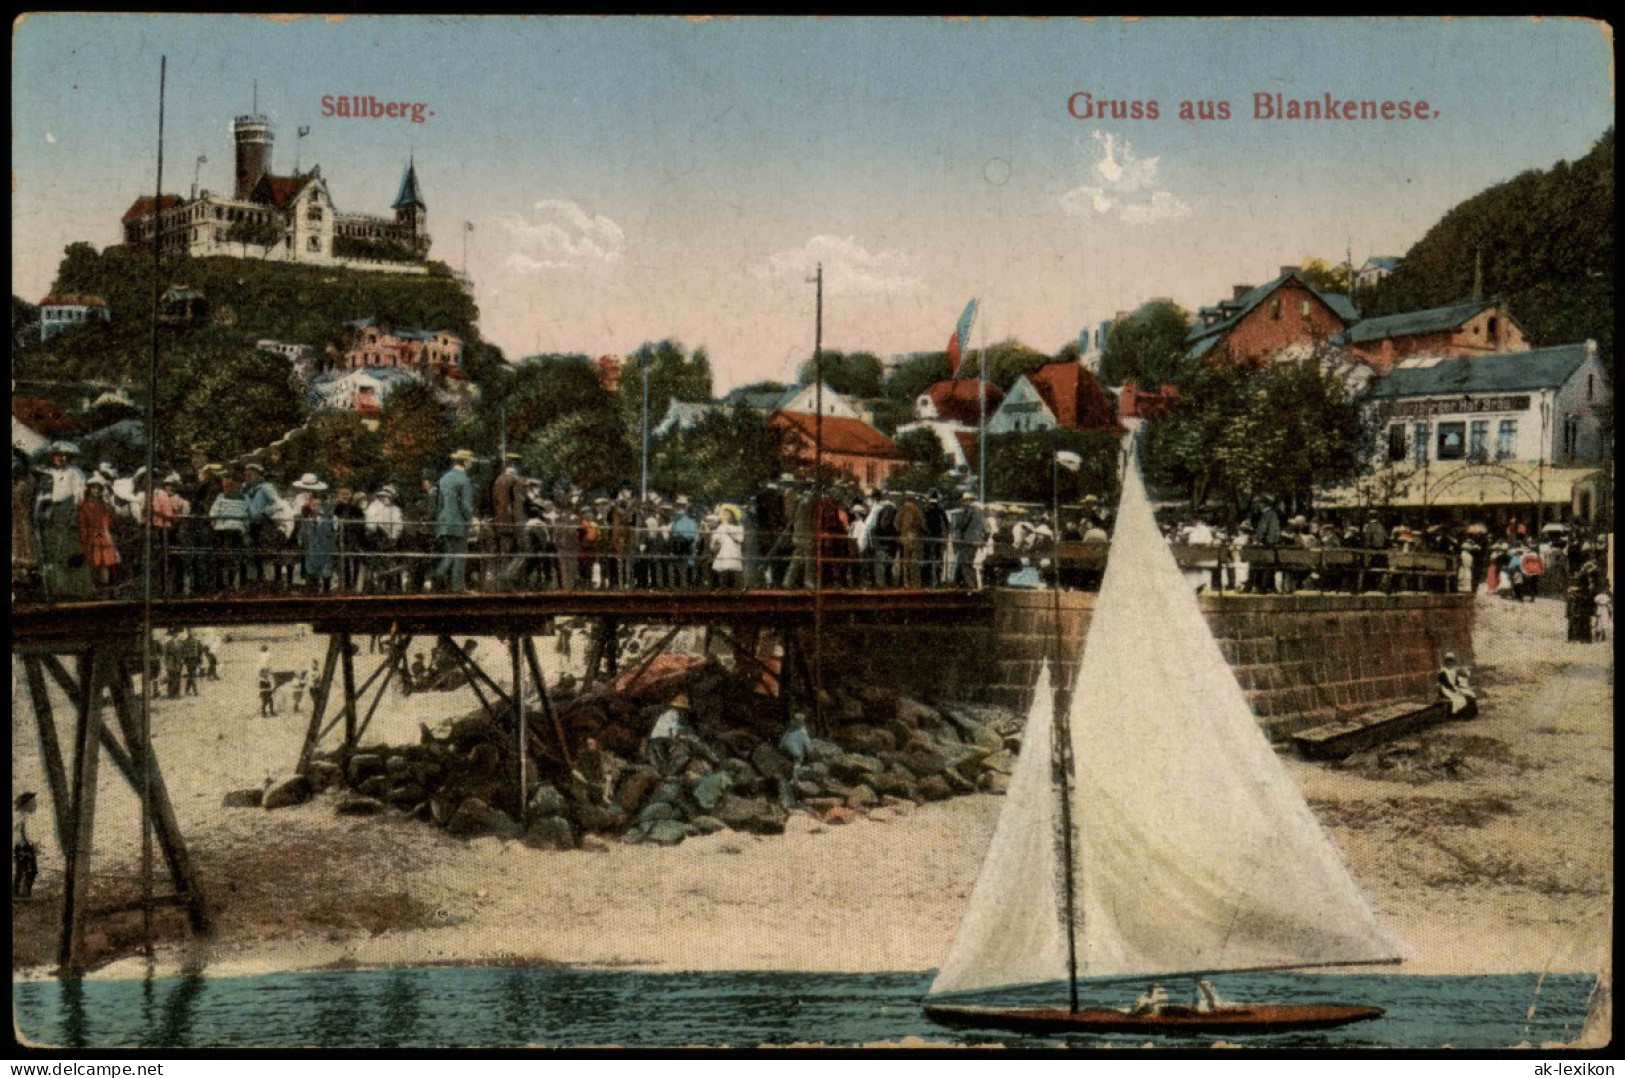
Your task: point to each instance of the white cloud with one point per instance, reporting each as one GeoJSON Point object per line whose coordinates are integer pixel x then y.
{"type": "Point", "coordinates": [849, 267]}
{"type": "Point", "coordinates": [1121, 184]}
{"type": "Point", "coordinates": [559, 234]}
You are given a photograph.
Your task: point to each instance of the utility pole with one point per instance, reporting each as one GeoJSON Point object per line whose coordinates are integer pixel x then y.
{"type": "Point", "coordinates": [644, 362]}
{"type": "Point", "coordinates": [146, 548]}
{"type": "Point", "coordinates": [817, 498]}
{"type": "Point", "coordinates": [981, 438]}
{"type": "Point", "coordinates": [818, 380]}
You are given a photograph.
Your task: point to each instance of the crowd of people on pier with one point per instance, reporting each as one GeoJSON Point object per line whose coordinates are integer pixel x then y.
{"type": "Point", "coordinates": [79, 535]}
{"type": "Point", "coordinates": [1464, 557]}
{"type": "Point", "coordinates": [231, 528]}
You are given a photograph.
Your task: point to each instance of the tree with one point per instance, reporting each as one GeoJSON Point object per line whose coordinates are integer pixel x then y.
{"type": "Point", "coordinates": [1242, 433]}
{"type": "Point", "coordinates": [217, 391]}
{"type": "Point", "coordinates": [1325, 276]}
{"type": "Point", "coordinates": [855, 374]}
{"type": "Point", "coordinates": [254, 233]}
{"type": "Point", "coordinates": [282, 300]}
{"type": "Point", "coordinates": [929, 467]}
{"type": "Point", "coordinates": [911, 377]}
{"type": "Point", "coordinates": [727, 454]}
{"type": "Point", "coordinates": [1006, 361]}
{"type": "Point", "coordinates": [886, 415]}
{"type": "Point", "coordinates": [589, 449]}
{"type": "Point", "coordinates": [24, 323]}
{"type": "Point", "coordinates": [537, 391]}
{"type": "Point", "coordinates": [485, 364]}
{"type": "Point", "coordinates": [1148, 346]}
{"type": "Point", "coordinates": [673, 375]}
{"type": "Point", "coordinates": [414, 431]}
{"type": "Point", "coordinates": [762, 387]}
{"type": "Point", "coordinates": [1019, 466]}
{"type": "Point", "coordinates": [1544, 240]}
{"type": "Point", "coordinates": [341, 449]}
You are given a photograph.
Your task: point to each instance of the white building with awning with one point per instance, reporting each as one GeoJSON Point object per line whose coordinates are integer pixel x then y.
{"type": "Point", "coordinates": [1543, 406]}
{"type": "Point", "coordinates": [1478, 490]}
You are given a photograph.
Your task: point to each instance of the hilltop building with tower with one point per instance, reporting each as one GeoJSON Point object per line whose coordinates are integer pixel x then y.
{"type": "Point", "coordinates": [283, 218]}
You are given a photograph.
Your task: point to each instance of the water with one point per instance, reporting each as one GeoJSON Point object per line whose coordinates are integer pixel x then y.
{"type": "Point", "coordinates": [481, 1007]}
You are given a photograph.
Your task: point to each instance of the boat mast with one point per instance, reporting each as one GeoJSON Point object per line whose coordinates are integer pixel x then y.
{"type": "Point", "coordinates": [1061, 732]}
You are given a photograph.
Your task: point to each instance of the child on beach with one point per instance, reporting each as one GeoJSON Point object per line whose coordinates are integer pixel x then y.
{"type": "Point", "coordinates": [267, 682]}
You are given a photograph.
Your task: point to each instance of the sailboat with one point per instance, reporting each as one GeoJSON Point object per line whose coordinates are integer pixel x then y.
{"type": "Point", "coordinates": [1150, 833]}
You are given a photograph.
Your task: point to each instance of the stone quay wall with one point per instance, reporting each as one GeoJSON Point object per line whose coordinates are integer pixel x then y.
{"type": "Point", "coordinates": [1301, 659]}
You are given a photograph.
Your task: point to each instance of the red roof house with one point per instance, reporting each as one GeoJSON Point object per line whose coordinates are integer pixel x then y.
{"type": "Point", "coordinates": [957, 400]}
{"type": "Point", "coordinates": [44, 417]}
{"type": "Point", "coordinates": [142, 207]}
{"type": "Point", "coordinates": [1074, 397]}
{"type": "Point", "coordinates": [850, 445]}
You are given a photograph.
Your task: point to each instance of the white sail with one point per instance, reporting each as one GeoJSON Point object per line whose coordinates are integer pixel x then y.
{"type": "Point", "coordinates": [1013, 931]}
{"type": "Point", "coordinates": [1195, 849]}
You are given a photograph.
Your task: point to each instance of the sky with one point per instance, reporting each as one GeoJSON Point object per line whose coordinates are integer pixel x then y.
{"type": "Point", "coordinates": [632, 179]}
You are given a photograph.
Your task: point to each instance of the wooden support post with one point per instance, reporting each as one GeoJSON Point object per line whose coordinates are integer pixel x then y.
{"type": "Point", "coordinates": [382, 668]}
{"type": "Point", "coordinates": [518, 719]}
{"type": "Point", "coordinates": [396, 660]}
{"type": "Point", "coordinates": [476, 675]}
{"type": "Point", "coordinates": [547, 704]}
{"type": "Point", "coordinates": [612, 648]}
{"type": "Point", "coordinates": [463, 663]}
{"type": "Point", "coordinates": [120, 758]}
{"type": "Point", "coordinates": [143, 762]}
{"type": "Point", "coordinates": [82, 813]}
{"type": "Point", "coordinates": [318, 706]}
{"type": "Point", "coordinates": [56, 775]}
{"type": "Point", "coordinates": [746, 656]}
{"type": "Point", "coordinates": [476, 672]}
{"type": "Point", "coordinates": [654, 653]}
{"type": "Point", "coordinates": [347, 657]}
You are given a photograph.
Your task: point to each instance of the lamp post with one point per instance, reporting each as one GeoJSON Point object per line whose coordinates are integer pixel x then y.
{"type": "Point", "coordinates": [1540, 464]}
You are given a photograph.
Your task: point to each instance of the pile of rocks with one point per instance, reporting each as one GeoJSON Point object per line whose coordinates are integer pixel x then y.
{"type": "Point", "coordinates": [878, 749]}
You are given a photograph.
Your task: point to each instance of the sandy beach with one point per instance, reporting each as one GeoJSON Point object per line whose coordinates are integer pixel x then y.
{"type": "Point", "coordinates": [1500, 860]}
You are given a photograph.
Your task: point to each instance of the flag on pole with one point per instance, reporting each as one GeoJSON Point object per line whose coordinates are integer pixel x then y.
{"type": "Point", "coordinates": [468, 226]}
{"type": "Point", "coordinates": [961, 338]}
{"type": "Point", "coordinates": [303, 131]}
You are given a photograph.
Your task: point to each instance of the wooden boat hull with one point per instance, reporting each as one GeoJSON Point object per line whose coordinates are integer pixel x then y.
{"type": "Point", "coordinates": [1173, 1021]}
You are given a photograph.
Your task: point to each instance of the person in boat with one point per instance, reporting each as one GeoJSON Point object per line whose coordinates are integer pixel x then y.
{"type": "Point", "coordinates": [1455, 688]}
{"type": "Point", "coordinates": [1151, 1002]}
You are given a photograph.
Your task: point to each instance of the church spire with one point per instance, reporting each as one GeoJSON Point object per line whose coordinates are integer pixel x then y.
{"type": "Point", "coordinates": [409, 195]}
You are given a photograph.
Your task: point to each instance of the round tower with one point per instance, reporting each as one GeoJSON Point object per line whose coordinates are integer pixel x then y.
{"type": "Point", "coordinates": [253, 136]}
